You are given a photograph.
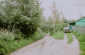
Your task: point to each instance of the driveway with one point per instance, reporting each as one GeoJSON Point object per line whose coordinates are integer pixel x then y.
{"type": "Point", "coordinates": [50, 46]}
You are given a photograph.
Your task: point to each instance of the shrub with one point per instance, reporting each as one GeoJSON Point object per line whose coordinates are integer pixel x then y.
{"type": "Point", "coordinates": [18, 36]}
{"type": "Point", "coordinates": [38, 35]}
{"type": "Point", "coordinates": [10, 42]}
{"type": "Point", "coordinates": [6, 35]}
{"type": "Point", "coordinates": [24, 16]}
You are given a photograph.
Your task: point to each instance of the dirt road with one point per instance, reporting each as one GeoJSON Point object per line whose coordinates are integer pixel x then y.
{"type": "Point", "coordinates": [50, 46]}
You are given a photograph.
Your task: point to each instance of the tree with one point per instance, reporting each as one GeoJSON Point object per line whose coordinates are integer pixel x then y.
{"type": "Point", "coordinates": [56, 16]}
{"type": "Point", "coordinates": [21, 14]}
{"type": "Point", "coordinates": [63, 19]}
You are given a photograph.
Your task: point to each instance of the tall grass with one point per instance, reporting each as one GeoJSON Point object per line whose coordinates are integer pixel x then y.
{"type": "Point", "coordinates": [58, 35]}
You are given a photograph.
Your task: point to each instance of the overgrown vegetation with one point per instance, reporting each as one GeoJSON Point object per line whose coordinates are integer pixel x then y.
{"type": "Point", "coordinates": [20, 15]}
{"type": "Point", "coordinates": [70, 38]}
{"type": "Point", "coordinates": [58, 35]}
{"type": "Point", "coordinates": [48, 28]}
{"type": "Point", "coordinates": [81, 39]}
{"type": "Point", "coordinates": [19, 23]}
{"type": "Point", "coordinates": [22, 23]}
{"type": "Point", "coordinates": [10, 42]}
{"type": "Point", "coordinates": [54, 22]}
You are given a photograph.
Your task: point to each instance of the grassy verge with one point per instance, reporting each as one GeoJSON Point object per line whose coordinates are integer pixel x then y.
{"type": "Point", "coordinates": [10, 42]}
{"type": "Point", "coordinates": [58, 35]}
{"type": "Point", "coordinates": [81, 39]}
{"type": "Point", "coordinates": [70, 38]}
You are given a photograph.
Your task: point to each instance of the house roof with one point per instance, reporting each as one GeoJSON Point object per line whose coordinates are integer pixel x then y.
{"type": "Point", "coordinates": [78, 20]}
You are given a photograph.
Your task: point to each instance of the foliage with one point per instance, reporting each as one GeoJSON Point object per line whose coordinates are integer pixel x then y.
{"type": "Point", "coordinates": [58, 35]}
{"type": "Point", "coordinates": [81, 39]}
{"type": "Point", "coordinates": [21, 18]}
{"type": "Point", "coordinates": [10, 42]}
{"type": "Point", "coordinates": [56, 15]}
{"type": "Point", "coordinates": [23, 15]}
{"type": "Point", "coordinates": [8, 47]}
{"type": "Point", "coordinates": [38, 35]}
{"type": "Point", "coordinates": [6, 35]}
{"type": "Point", "coordinates": [65, 20]}
{"type": "Point", "coordinates": [49, 28]}
{"type": "Point", "coordinates": [70, 38]}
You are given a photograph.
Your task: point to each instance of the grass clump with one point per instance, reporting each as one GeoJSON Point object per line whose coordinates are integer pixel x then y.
{"type": "Point", "coordinates": [58, 35]}
{"type": "Point", "coordinates": [70, 38]}
{"type": "Point", "coordinates": [81, 39]}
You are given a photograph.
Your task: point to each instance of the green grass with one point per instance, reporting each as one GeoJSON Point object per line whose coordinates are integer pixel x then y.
{"type": "Point", "coordinates": [81, 39]}
{"type": "Point", "coordinates": [8, 47]}
{"type": "Point", "coordinates": [70, 38]}
{"type": "Point", "coordinates": [58, 35]}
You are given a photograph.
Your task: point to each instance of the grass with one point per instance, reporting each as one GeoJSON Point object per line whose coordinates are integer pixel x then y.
{"type": "Point", "coordinates": [8, 47]}
{"type": "Point", "coordinates": [81, 39]}
{"type": "Point", "coordinates": [70, 38]}
{"type": "Point", "coordinates": [58, 35]}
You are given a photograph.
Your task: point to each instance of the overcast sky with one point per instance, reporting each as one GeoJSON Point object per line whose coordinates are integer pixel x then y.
{"type": "Point", "coordinates": [70, 8]}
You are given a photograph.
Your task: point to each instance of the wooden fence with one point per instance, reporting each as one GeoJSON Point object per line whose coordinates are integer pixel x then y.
{"type": "Point", "coordinates": [79, 29]}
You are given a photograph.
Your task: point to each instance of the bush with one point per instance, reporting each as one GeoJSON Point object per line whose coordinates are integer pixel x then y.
{"type": "Point", "coordinates": [18, 36]}
{"type": "Point", "coordinates": [6, 35]}
{"type": "Point", "coordinates": [38, 35]}
{"type": "Point", "coordinates": [24, 16]}
{"type": "Point", "coordinates": [10, 42]}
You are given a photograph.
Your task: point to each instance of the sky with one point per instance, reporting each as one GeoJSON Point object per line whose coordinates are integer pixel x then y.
{"type": "Point", "coordinates": [71, 9]}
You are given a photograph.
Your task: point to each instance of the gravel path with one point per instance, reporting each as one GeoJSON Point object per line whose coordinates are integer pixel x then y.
{"type": "Point", "coordinates": [50, 46]}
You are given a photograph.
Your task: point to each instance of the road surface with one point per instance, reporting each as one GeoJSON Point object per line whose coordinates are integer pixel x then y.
{"type": "Point", "coordinates": [50, 46]}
